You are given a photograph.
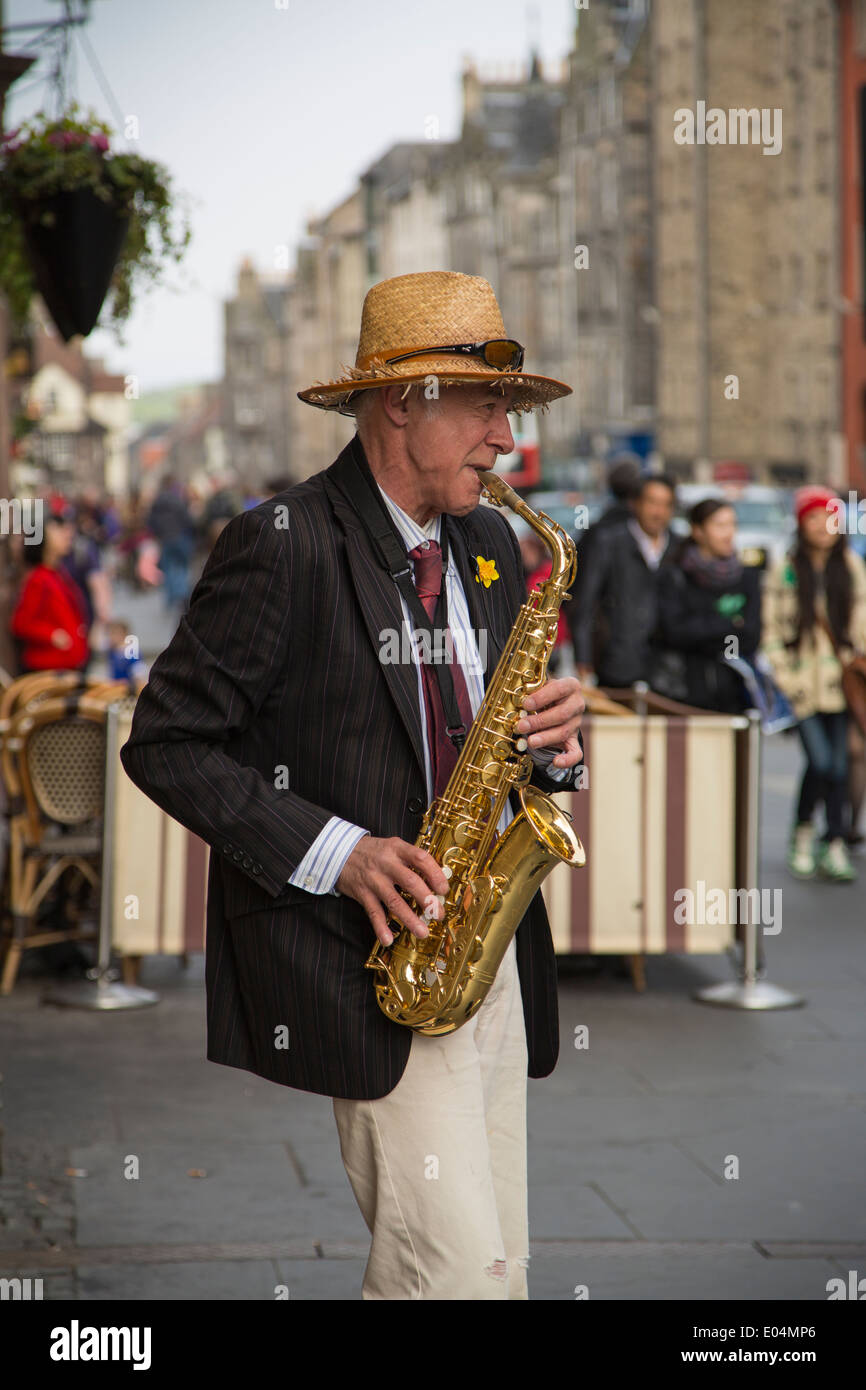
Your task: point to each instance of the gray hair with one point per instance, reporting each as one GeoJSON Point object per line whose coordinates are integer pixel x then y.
{"type": "Point", "coordinates": [364, 400]}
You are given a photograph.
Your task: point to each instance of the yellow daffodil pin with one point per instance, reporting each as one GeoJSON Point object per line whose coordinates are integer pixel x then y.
{"type": "Point", "coordinates": [486, 571]}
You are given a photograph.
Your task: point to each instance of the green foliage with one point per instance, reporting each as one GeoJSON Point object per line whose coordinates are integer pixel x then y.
{"type": "Point", "coordinates": [45, 156]}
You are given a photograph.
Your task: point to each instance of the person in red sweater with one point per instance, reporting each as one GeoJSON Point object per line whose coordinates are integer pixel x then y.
{"type": "Point", "coordinates": [537, 565]}
{"type": "Point", "coordinates": [50, 617]}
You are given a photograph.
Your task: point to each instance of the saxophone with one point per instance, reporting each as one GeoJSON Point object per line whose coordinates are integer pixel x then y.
{"type": "Point", "coordinates": [436, 983]}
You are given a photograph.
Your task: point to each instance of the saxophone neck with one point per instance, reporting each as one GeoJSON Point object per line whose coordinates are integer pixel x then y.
{"type": "Point", "coordinates": [563, 551]}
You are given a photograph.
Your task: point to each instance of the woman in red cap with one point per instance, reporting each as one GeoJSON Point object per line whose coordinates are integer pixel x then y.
{"type": "Point", "coordinates": [820, 584]}
{"type": "Point", "coordinates": [50, 617]}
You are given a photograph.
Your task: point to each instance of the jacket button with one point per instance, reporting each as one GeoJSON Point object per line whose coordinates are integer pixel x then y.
{"type": "Point", "coordinates": [257, 868]}
{"type": "Point", "coordinates": [238, 855]}
{"type": "Point", "coordinates": [416, 805]}
{"type": "Point", "coordinates": [247, 862]}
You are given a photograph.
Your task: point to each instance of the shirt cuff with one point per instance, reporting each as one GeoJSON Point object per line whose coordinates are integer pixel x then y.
{"type": "Point", "coordinates": [543, 757]}
{"type": "Point", "coordinates": [323, 862]}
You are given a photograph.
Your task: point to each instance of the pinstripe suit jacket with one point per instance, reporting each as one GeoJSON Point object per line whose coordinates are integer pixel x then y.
{"type": "Point", "coordinates": [276, 665]}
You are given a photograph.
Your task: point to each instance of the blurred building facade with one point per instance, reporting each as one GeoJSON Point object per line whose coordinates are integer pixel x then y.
{"type": "Point", "coordinates": [746, 243]}
{"type": "Point", "coordinates": [72, 417]}
{"type": "Point", "coordinates": [690, 292]}
{"type": "Point", "coordinates": [187, 440]}
{"type": "Point", "coordinates": [257, 385]}
{"type": "Point", "coordinates": [852, 164]}
{"type": "Point", "coordinates": [606, 230]}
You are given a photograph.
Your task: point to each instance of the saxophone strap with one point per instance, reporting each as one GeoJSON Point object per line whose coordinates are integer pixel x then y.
{"type": "Point", "coordinates": [360, 488]}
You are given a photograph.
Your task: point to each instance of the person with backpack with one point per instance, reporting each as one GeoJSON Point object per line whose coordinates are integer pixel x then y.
{"type": "Point", "coordinates": [814, 618]}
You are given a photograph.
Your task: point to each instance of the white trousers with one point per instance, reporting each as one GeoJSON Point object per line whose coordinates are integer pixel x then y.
{"type": "Point", "coordinates": [438, 1166]}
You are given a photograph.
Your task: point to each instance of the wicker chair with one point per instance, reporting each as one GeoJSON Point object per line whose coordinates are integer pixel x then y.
{"type": "Point", "coordinates": [56, 751]}
{"type": "Point", "coordinates": [22, 691]}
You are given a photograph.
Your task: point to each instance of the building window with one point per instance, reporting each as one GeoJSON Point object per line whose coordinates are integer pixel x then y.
{"type": "Point", "coordinates": [610, 113]}
{"type": "Point", "coordinates": [608, 191]}
{"type": "Point", "coordinates": [822, 34]}
{"type": "Point", "coordinates": [608, 287]}
{"type": "Point", "coordinates": [247, 410]}
{"type": "Point", "coordinates": [823, 161]}
{"type": "Point", "coordinates": [794, 297]}
{"type": "Point", "coordinates": [822, 280]}
{"type": "Point", "coordinates": [774, 282]}
{"type": "Point", "coordinates": [795, 164]}
{"type": "Point", "coordinates": [246, 355]}
{"type": "Point", "coordinates": [590, 110]}
{"type": "Point", "coordinates": [793, 47]}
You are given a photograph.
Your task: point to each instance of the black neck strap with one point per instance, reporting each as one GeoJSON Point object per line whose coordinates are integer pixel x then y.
{"type": "Point", "coordinates": [362, 491]}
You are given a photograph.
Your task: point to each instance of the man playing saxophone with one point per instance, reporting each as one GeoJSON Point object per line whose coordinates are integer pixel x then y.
{"type": "Point", "coordinates": [276, 727]}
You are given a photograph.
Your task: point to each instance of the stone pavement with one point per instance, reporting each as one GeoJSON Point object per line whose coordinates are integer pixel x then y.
{"type": "Point", "coordinates": [240, 1183]}
{"type": "Point", "coordinates": [241, 1186]}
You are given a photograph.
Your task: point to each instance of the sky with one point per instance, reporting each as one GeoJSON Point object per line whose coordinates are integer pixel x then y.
{"type": "Point", "coordinates": [266, 112]}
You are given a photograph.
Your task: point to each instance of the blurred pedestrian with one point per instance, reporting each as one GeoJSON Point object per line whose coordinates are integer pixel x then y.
{"type": "Point", "coordinates": [613, 612]}
{"type": "Point", "coordinates": [706, 597]}
{"type": "Point", "coordinates": [856, 783]}
{"type": "Point", "coordinates": [123, 657]}
{"type": "Point", "coordinates": [169, 520]}
{"type": "Point", "coordinates": [224, 503]}
{"type": "Point", "coordinates": [83, 564]}
{"type": "Point", "coordinates": [623, 480]}
{"type": "Point", "coordinates": [813, 598]}
{"type": "Point", "coordinates": [537, 565]}
{"type": "Point", "coordinates": [133, 532]}
{"type": "Point", "coordinates": [50, 619]}
{"type": "Point", "coordinates": [278, 483]}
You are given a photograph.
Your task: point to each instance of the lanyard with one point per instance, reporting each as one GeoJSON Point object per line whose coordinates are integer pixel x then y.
{"type": "Point", "coordinates": [360, 488]}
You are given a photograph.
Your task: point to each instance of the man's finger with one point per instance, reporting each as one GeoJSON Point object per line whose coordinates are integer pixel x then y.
{"type": "Point", "coordinates": [545, 695]}
{"type": "Point", "coordinates": [549, 718]}
{"type": "Point", "coordinates": [571, 754]}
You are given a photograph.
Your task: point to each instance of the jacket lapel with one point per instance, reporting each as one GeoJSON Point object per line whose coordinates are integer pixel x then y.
{"type": "Point", "coordinates": [486, 615]}
{"type": "Point", "coordinates": [379, 602]}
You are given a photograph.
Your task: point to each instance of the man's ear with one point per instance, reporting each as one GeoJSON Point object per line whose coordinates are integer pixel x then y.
{"type": "Point", "coordinates": [395, 403]}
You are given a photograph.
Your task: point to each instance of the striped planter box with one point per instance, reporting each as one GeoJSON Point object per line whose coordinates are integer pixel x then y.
{"type": "Point", "coordinates": [159, 872]}
{"type": "Point", "coordinates": [658, 814]}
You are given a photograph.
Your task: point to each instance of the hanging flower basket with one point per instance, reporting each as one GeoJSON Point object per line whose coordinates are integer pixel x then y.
{"type": "Point", "coordinates": [73, 240]}
{"type": "Point", "coordinates": [78, 222]}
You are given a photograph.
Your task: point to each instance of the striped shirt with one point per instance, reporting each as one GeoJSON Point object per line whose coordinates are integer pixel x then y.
{"type": "Point", "coordinates": [323, 863]}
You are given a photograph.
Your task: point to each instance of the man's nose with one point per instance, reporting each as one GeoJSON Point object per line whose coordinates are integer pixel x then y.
{"type": "Point", "coordinates": [500, 436]}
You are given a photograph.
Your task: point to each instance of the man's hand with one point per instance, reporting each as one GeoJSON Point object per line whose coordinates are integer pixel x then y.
{"type": "Point", "coordinates": [554, 714]}
{"type": "Point", "coordinates": [375, 871]}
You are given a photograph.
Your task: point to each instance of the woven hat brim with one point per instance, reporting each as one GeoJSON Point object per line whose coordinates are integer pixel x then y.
{"type": "Point", "coordinates": [531, 390]}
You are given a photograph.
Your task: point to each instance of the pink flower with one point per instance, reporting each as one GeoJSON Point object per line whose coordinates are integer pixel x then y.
{"type": "Point", "coordinates": [99, 142]}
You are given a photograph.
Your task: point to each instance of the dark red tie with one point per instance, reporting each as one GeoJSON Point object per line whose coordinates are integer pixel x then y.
{"type": "Point", "coordinates": [427, 560]}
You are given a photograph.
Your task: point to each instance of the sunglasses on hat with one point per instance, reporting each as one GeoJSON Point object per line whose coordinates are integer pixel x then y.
{"type": "Point", "coordinates": [503, 354]}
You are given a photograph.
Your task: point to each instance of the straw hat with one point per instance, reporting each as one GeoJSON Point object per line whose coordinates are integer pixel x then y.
{"type": "Point", "coordinates": [435, 309]}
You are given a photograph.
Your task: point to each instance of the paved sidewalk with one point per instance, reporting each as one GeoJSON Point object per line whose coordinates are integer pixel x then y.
{"type": "Point", "coordinates": [241, 1187]}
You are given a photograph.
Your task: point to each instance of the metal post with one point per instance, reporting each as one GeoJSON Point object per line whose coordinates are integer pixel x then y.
{"type": "Point", "coordinates": [750, 992]}
{"type": "Point", "coordinates": [102, 989]}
